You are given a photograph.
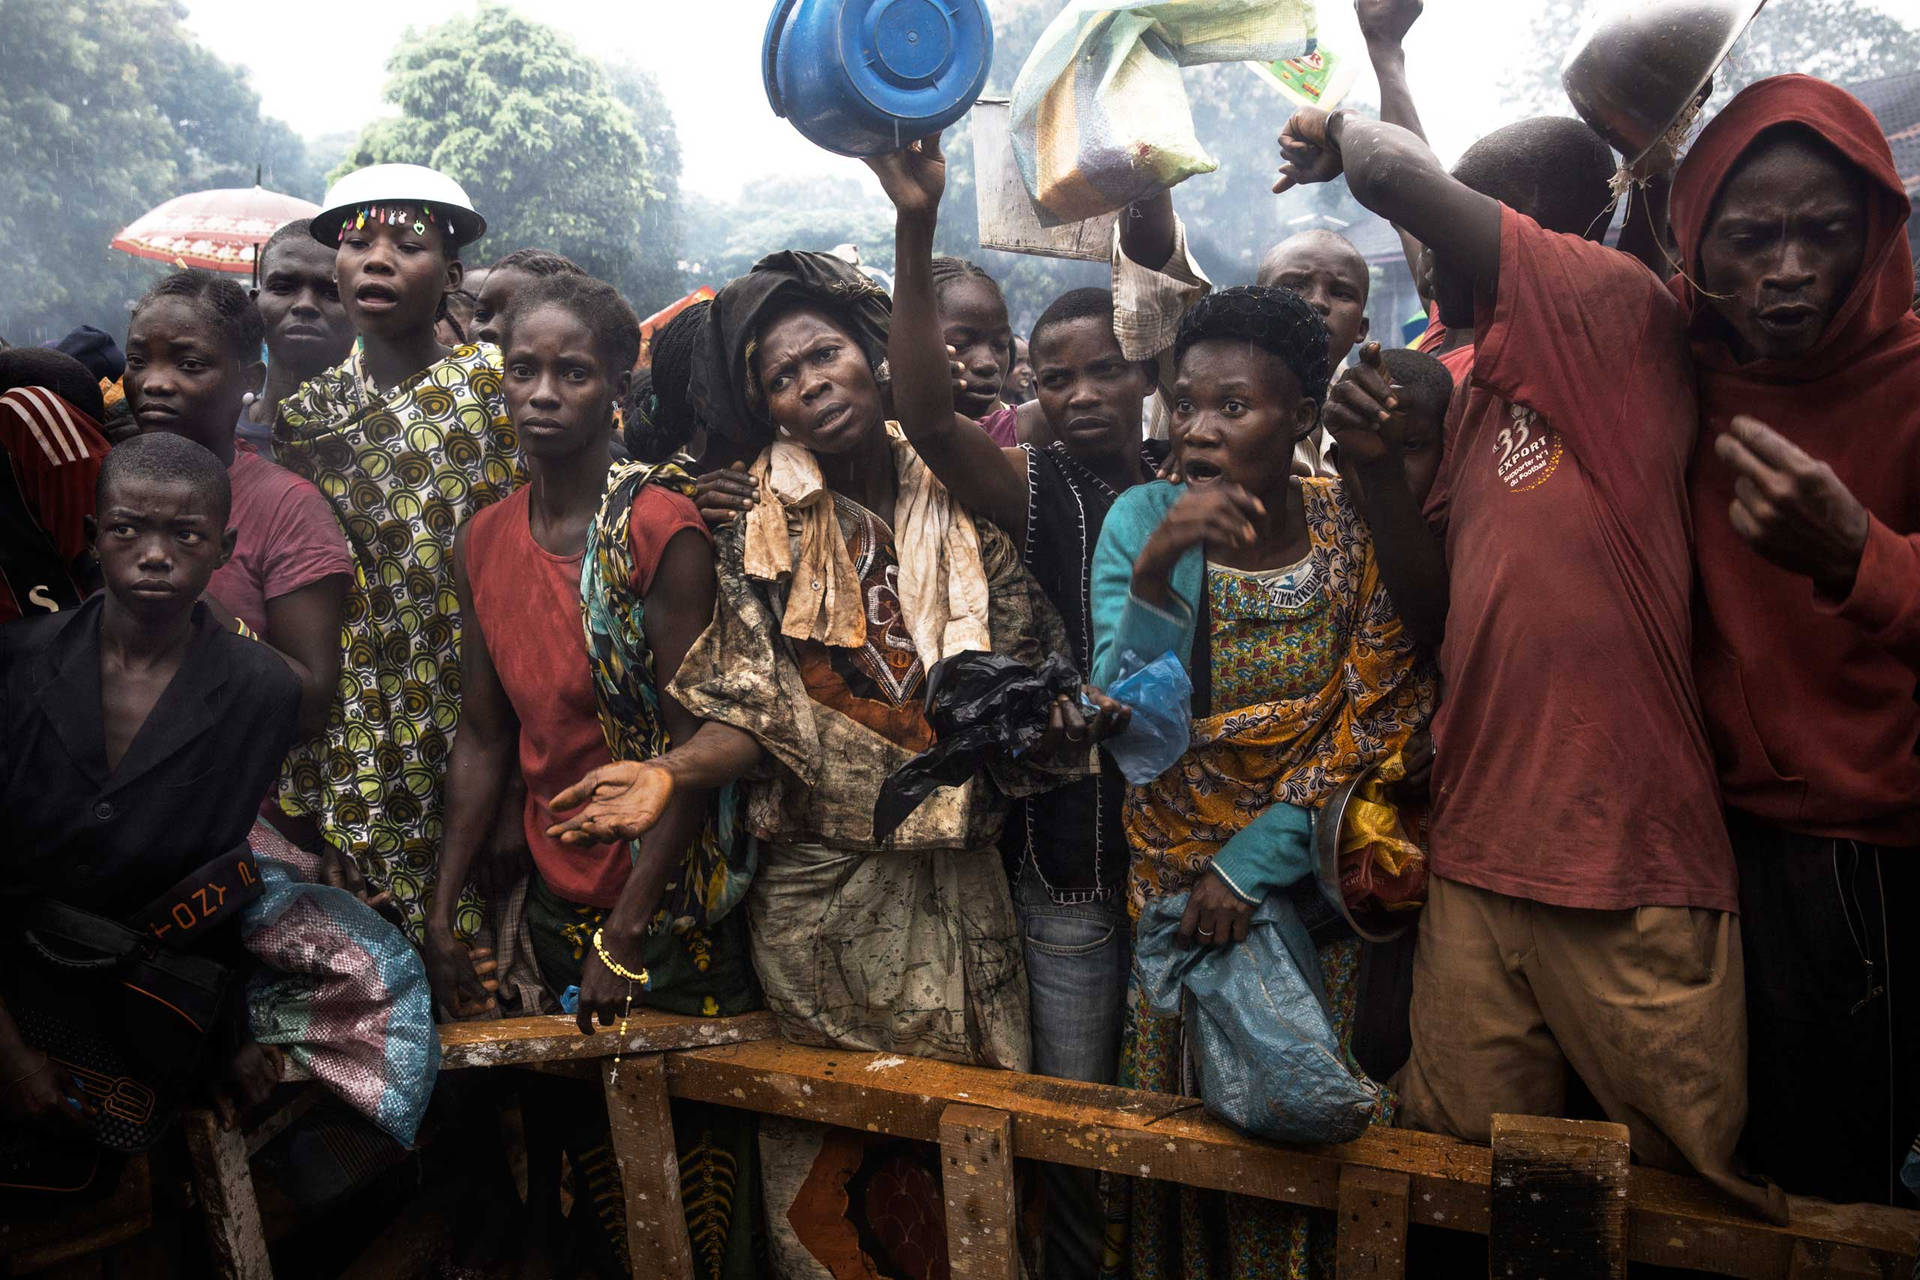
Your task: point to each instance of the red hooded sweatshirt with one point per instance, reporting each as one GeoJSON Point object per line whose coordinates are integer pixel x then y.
{"type": "Point", "coordinates": [1810, 702]}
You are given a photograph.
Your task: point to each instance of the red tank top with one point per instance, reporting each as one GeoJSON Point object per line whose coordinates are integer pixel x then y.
{"type": "Point", "coordinates": [527, 602]}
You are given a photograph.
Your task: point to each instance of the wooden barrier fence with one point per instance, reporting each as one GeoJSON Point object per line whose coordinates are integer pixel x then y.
{"type": "Point", "coordinates": [1557, 1198]}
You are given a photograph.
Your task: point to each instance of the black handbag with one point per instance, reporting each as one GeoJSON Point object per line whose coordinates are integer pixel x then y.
{"type": "Point", "coordinates": [130, 1016]}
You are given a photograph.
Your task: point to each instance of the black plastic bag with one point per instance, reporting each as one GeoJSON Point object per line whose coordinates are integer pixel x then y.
{"type": "Point", "coordinates": [979, 705]}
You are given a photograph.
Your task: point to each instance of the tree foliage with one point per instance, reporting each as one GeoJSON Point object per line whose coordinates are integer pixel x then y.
{"type": "Point", "coordinates": [546, 142]}
{"type": "Point", "coordinates": [110, 107]}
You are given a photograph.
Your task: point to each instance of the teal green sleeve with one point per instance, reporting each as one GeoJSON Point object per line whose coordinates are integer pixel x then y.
{"type": "Point", "coordinates": [1269, 853]}
{"type": "Point", "coordinates": [1122, 623]}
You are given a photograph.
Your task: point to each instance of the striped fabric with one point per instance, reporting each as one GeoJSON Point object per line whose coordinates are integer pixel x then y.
{"type": "Point", "coordinates": [50, 455]}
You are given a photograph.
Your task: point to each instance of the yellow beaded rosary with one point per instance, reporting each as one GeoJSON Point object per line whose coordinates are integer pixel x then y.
{"type": "Point", "coordinates": [632, 976]}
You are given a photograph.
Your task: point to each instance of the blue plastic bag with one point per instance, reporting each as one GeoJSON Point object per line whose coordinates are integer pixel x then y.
{"type": "Point", "coordinates": [1162, 724]}
{"type": "Point", "coordinates": [1257, 1025]}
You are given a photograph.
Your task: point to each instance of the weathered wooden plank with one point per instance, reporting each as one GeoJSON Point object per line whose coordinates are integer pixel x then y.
{"type": "Point", "coordinates": [976, 1169]}
{"type": "Point", "coordinates": [649, 1168]}
{"type": "Point", "coordinates": [1674, 1220]}
{"type": "Point", "coordinates": [1559, 1208]}
{"type": "Point", "coordinates": [282, 1119]}
{"type": "Point", "coordinates": [225, 1188]}
{"type": "Point", "coordinates": [1372, 1235]}
{"type": "Point", "coordinates": [515, 1041]}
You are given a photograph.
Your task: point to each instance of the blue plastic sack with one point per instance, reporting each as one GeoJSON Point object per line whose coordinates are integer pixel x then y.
{"type": "Point", "coordinates": [1257, 1025]}
{"type": "Point", "coordinates": [1162, 725]}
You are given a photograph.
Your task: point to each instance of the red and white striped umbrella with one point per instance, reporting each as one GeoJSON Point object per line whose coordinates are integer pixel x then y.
{"type": "Point", "coordinates": [215, 230]}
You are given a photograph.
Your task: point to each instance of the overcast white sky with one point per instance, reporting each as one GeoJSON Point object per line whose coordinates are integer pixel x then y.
{"type": "Point", "coordinates": [324, 76]}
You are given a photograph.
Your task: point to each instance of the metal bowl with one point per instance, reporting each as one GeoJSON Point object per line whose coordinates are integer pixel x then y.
{"type": "Point", "coordinates": [1372, 926]}
{"type": "Point", "coordinates": [1637, 66]}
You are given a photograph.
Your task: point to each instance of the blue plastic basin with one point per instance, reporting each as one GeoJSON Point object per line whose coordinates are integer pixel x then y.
{"type": "Point", "coordinates": [864, 77]}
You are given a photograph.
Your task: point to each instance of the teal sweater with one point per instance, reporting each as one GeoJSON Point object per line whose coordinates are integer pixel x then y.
{"type": "Point", "coordinates": [1276, 848]}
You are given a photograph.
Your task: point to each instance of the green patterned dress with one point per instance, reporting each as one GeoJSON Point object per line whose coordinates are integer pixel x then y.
{"type": "Point", "coordinates": [402, 469]}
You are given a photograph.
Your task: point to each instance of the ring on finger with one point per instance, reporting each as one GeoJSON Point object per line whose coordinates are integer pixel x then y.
{"type": "Point", "coordinates": [1205, 933]}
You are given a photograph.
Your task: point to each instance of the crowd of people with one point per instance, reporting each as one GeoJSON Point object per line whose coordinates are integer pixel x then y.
{"type": "Point", "coordinates": [543, 676]}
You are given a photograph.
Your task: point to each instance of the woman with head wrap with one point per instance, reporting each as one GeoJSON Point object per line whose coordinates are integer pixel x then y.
{"type": "Point", "coordinates": [1264, 584]}
{"type": "Point", "coordinates": [850, 577]}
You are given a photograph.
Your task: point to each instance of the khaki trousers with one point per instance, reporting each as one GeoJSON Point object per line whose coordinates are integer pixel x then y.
{"type": "Point", "coordinates": [1647, 1005]}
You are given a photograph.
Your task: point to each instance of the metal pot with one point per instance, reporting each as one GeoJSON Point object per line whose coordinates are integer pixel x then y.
{"type": "Point", "coordinates": [1372, 926]}
{"type": "Point", "coordinates": [1637, 66]}
{"type": "Point", "coordinates": [865, 77]}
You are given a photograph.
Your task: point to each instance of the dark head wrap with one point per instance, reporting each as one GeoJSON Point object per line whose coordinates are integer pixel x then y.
{"type": "Point", "coordinates": [720, 384]}
{"type": "Point", "coordinates": [1278, 321]}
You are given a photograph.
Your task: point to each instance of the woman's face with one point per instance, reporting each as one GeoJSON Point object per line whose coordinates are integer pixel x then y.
{"type": "Point", "coordinates": [1237, 411]}
{"type": "Point", "coordinates": [817, 383]}
{"type": "Point", "coordinates": [181, 376]}
{"type": "Point", "coordinates": [974, 322]}
{"type": "Point", "coordinates": [392, 276]}
{"type": "Point", "coordinates": [558, 392]}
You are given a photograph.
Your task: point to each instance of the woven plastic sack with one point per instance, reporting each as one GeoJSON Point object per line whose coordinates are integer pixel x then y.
{"type": "Point", "coordinates": [1100, 117]}
{"type": "Point", "coordinates": [1257, 1026]}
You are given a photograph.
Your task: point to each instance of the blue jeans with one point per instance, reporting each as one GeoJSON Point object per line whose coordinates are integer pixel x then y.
{"type": "Point", "coordinates": [1078, 957]}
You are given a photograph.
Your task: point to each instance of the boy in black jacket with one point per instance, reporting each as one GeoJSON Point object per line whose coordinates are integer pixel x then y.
{"type": "Point", "coordinates": [137, 739]}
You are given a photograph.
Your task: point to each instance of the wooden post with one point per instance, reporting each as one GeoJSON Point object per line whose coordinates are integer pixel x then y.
{"type": "Point", "coordinates": [976, 1168]}
{"type": "Point", "coordinates": [225, 1186]}
{"type": "Point", "coordinates": [1559, 1199]}
{"type": "Point", "coordinates": [649, 1167]}
{"type": "Point", "coordinates": [1372, 1239]}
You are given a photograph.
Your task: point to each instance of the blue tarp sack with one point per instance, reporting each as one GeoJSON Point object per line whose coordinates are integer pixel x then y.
{"type": "Point", "coordinates": [1258, 1032]}
{"type": "Point", "coordinates": [1161, 727]}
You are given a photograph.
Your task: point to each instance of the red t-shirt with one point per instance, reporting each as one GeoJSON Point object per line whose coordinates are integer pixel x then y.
{"type": "Point", "coordinates": [1458, 362]}
{"type": "Point", "coordinates": [527, 602]}
{"type": "Point", "coordinates": [1003, 426]}
{"type": "Point", "coordinates": [285, 538]}
{"type": "Point", "coordinates": [1572, 764]}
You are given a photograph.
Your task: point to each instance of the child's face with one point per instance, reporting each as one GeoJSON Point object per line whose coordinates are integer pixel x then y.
{"type": "Point", "coordinates": [307, 327]}
{"type": "Point", "coordinates": [1090, 393]}
{"type": "Point", "coordinates": [975, 325]}
{"type": "Point", "coordinates": [491, 303]}
{"type": "Point", "coordinates": [1416, 425]}
{"type": "Point", "coordinates": [1332, 278]}
{"type": "Point", "coordinates": [181, 376]}
{"type": "Point", "coordinates": [1237, 411]}
{"type": "Point", "coordinates": [558, 392]}
{"type": "Point", "coordinates": [158, 543]}
{"type": "Point", "coordinates": [392, 276]}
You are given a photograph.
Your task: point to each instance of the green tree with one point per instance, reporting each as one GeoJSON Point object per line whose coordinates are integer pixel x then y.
{"type": "Point", "coordinates": [535, 132]}
{"type": "Point", "coordinates": [724, 240]}
{"type": "Point", "coordinates": [109, 108]}
{"type": "Point", "coordinates": [657, 278]}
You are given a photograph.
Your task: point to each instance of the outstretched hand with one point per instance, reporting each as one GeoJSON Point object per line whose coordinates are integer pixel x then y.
{"type": "Point", "coordinates": [621, 801]}
{"type": "Point", "coordinates": [913, 177]}
{"type": "Point", "coordinates": [1308, 155]}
